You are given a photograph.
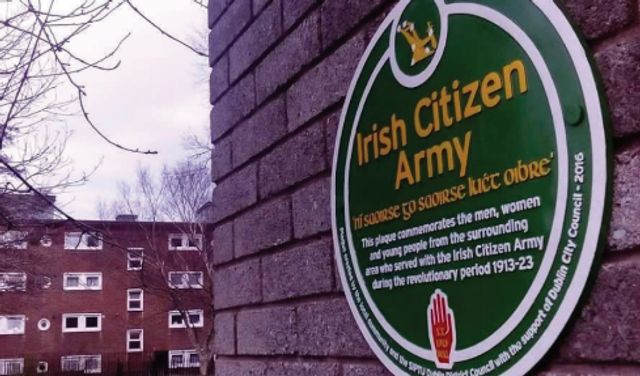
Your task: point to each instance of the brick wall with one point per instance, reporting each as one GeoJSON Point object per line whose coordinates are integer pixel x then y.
{"type": "Point", "coordinates": [280, 71]}
{"type": "Point", "coordinates": [110, 301]}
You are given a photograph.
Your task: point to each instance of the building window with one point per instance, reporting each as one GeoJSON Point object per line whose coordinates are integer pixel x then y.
{"type": "Point", "coordinates": [13, 239]}
{"type": "Point", "coordinates": [186, 280]}
{"type": "Point", "coordinates": [135, 340]}
{"type": "Point", "coordinates": [183, 359]}
{"type": "Point", "coordinates": [135, 300]}
{"type": "Point", "coordinates": [12, 324]}
{"type": "Point", "coordinates": [81, 322]}
{"type": "Point", "coordinates": [185, 242]}
{"type": "Point", "coordinates": [82, 363]}
{"type": "Point", "coordinates": [82, 241]}
{"type": "Point", "coordinates": [195, 318]}
{"type": "Point", "coordinates": [82, 281]}
{"type": "Point", "coordinates": [11, 366]}
{"type": "Point", "coordinates": [135, 258]}
{"type": "Point", "coordinates": [13, 282]}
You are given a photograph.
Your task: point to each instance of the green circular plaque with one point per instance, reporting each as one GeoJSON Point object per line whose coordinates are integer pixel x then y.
{"type": "Point", "coordinates": [470, 185]}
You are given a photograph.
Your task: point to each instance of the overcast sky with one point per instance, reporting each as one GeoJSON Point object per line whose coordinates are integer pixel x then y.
{"type": "Point", "coordinates": [158, 95]}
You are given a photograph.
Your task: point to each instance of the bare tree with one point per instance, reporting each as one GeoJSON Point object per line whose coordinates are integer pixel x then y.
{"type": "Point", "coordinates": [37, 64]}
{"type": "Point", "coordinates": [176, 197]}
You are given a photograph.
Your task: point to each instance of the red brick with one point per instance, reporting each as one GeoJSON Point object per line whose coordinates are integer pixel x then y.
{"type": "Point", "coordinates": [298, 272]}
{"type": "Point", "coordinates": [110, 301]}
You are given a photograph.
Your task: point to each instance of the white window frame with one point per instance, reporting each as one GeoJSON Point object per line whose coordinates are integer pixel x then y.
{"type": "Point", "coordinates": [82, 284]}
{"type": "Point", "coordinates": [184, 239]}
{"type": "Point", "coordinates": [82, 363]}
{"type": "Point", "coordinates": [81, 241]}
{"type": "Point", "coordinates": [82, 323]}
{"type": "Point", "coordinates": [186, 356]}
{"type": "Point", "coordinates": [17, 278]}
{"type": "Point", "coordinates": [129, 300]}
{"type": "Point", "coordinates": [131, 258]}
{"type": "Point", "coordinates": [13, 239]}
{"type": "Point", "coordinates": [4, 327]}
{"type": "Point", "coordinates": [185, 285]}
{"type": "Point", "coordinates": [6, 363]}
{"type": "Point", "coordinates": [183, 325]}
{"type": "Point", "coordinates": [130, 340]}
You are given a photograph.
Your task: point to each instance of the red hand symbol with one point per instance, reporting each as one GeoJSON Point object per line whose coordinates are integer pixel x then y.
{"type": "Point", "coordinates": [441, 329]}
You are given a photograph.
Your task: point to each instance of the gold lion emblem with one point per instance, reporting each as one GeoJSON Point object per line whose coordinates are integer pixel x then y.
{"type": "Point", "coordinates": [422, 48]}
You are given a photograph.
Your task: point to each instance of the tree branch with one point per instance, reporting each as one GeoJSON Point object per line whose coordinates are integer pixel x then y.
{"type": "Point", "coordinates": [161, 30]}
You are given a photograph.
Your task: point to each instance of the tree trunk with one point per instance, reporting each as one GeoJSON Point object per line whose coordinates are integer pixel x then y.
{"type": "Point", "coordinates": [204, 366]}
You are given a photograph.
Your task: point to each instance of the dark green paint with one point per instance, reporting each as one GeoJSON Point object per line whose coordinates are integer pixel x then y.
{"type": "Point", "coordinates": [517, 129]}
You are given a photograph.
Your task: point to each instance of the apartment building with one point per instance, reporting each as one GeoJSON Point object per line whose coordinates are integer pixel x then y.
{"type": "Point", "coordinates": [101, 297]}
